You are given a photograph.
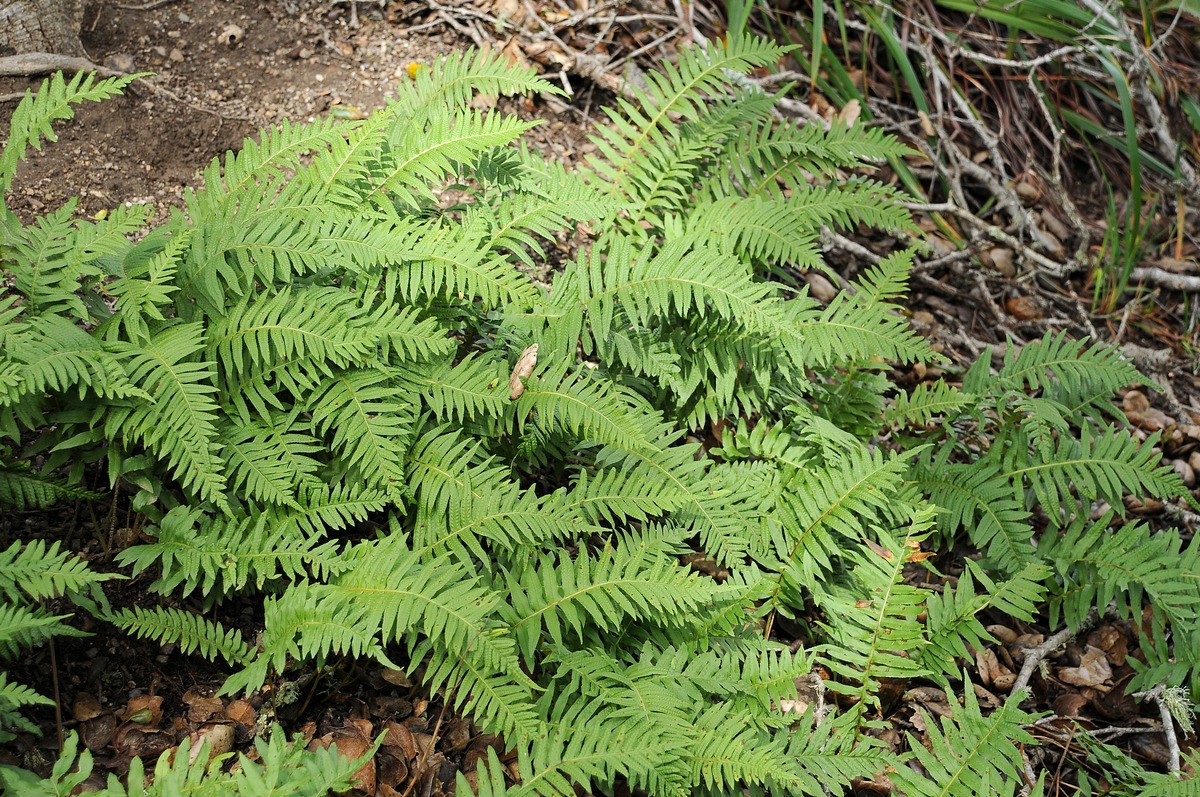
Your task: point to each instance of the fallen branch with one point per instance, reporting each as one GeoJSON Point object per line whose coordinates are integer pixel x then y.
{"type": "Point", "coordinates": [1165, 279]}
{"type": "Point", "coordinates": [29, 64]}
{"type": "Point", "coordinates": [1158, 695]}
{"type": "Point", "coordinates": [1039, 654]}
{"type": "Point", "coordinates": [996, 234]}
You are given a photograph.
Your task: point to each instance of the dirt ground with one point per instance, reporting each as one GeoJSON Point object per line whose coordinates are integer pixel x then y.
{"type": "Point", "coordinates": [235, 66]}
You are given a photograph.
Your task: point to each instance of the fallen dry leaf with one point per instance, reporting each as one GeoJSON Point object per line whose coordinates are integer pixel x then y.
{"type": "Point", "coordinates": [522, 370]}
{"type": "Point", "coordinates": [144, 710]}
{"type": "Point", "coordinates": [202, 707]}
{"type": "Point", "coordinates": [400, 740]}
{"type": "Point", "coordinates": [850, 113]}
{"type": "Point", "coordinates": [1093, 670]}
{"type": "Point", "coordinates": [1023, 308]}
{"type": "Point", "coordinates": [242, 713]}
{"type": "Point", "coordinates": [85, 707]}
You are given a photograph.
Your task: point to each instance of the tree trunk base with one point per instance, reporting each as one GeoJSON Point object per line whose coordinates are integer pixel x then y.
{"type": "Point", "coordinates": [46, 26]}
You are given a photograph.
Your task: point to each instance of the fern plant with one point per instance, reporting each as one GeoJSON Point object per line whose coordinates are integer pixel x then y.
{"type": "Point", "coordinates": [332, 390]}
{"type": "Point", "coordinates": [279, 766]}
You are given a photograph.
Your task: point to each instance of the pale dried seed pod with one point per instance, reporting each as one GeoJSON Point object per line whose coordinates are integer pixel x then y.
{"type": "Point", "coordinates": [524, 367]}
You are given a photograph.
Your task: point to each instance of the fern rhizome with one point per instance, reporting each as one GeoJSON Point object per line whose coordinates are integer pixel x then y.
{"type": "Point", "coordinates": [318, 380]}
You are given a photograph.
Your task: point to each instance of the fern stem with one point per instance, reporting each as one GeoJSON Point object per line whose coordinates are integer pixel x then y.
{"type": "Point", "coordinates": [58, 723]}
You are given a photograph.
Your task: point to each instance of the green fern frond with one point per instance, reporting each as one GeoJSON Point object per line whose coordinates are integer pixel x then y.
{"type": "Point", "coordinates": [33, 117]}
{"type": "Point", "coordinates": [269, 460]}
{"type": "Point", "coordinates": [730, 754]}
{"type": "Point", "coordinates": [51, 354]}
{"type": "Point", "coordinates": [1104, 466]}
{"type": "Point", "coordinates": [271, 238]}
{"type": "Point", "coordinates": [679, 92]}
{"type": "Point", "coordinates": [453, 79]}
{"type": "Point", "coordinates": [197, 552]}
{"type": "Point", "coordinates": [143, 284]}
{"type": "Point", "coordinates": [979, 498]}
{"type": "Point", "coordinates": [821, 509]}
{"type": "Point", "coordinates": [1094, 568]}
{"type": "Point", "coordinates": [472, 388]}
{"type": "Point", "coordinates": [628, 580]}
{"type": "Point", "coordinates": [954, 628]}
{"type": "Point", "coordinates": [179, 420]}
{"type": "Point", "coordinates": [853, 328]}
{"type": "Point", "coordinates": [279, 151]}
{"type": "Point", "coordinates": [676, 281]}
{"type": "Point", "coordinates": [324, 508]}
{"type": "Point", "coordinates": [768, 157]}
{"type": "Point", "coordinates": [24, 627]}
{"type": "Point", "coordinates": [317, 323]}
{"type": "Point", "coordinates": [1069, 371]}
{"type": "Point", "coordinates": [969, 753]}
{"type": "Point", "coordinates": [554, 765]}
{"type": "Point", "coordinates": [613, 495]}
{"type": "Point", "coordinates": [45, 265]}
{"type": "Point", "coordinates": [24, 489]}
{"type": "Point", "coordinates": [446, 464]}
{"type": "Point", "coordinates": [366, 424]}
{"type": "Point", "coordinates": [189, 631]}
{"type": "Point", "coordinates": [308, 623]}
{"type": "Point", "coordinates": [497, 701]}
{"type": "Point", "coordinates": [504, 518]}
{"type": "Point", "coordinates": [454, 262]}
{"type": "Point", "coordinates": [14, 697]}
{"type": "Point", "coordinates": [403, 595]}
{"type": "Point", "coordinates": [926, 401]}
{"type": "Point", "coordinates": [421, 156]}
{"type": "Point", "coordinates": [37, 570]}
{"type": "Point", "coordinates": [551, 197]}
{"type": "Point", "coordinates": [725, 510]}
{"type": "Point", "coordinates": [873, 625]}
{"type": "Point", "coordinates": [590, 408]}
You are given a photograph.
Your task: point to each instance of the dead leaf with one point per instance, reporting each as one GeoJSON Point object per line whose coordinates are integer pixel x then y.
{"type": "Point", "coordinates": [1112, 640]}
{"type": "Point", "coordinates": [515, 55]}
{"type": "Point", "coordinates": [986, 698]}
{"type": "Point", "coordinates": [1002, 260]}
{"type": "Point", "coordinates": [1178, 266]}
{"type": "Point", "coordinates": [522, 370]}
{"type": "Point", "coordinates": [392, 772]}
{"type": "Point", "coordinates": [201, 707]}
{"type": "Point", "coordinates": [879, 550]}
{"type": "Point", "coordinates": [98, 731]}
{"type": "Point", "coordinates": [396, 677]}
{"type": "Point", "coordinates": [850, 113]}
{"type": "Point", "coordinates": [1002, 633]}
{"type": "Point", "coordinates": [85, 707]}
{"type": "Point", "coordinates": [1069, 704]}
{"type": "Point", "coordinates": [352, 740]}
{"type": "Point", "coordinates": [400, 740]}
{"type": "Point", "coordinates": [793, 706]}
{"type": "Point", "coordinates": [1093, 670]}
{"type": "Point", "coordinates": [144, 710]}
{"type": "Point", "coordinates": [242, 713]}
{"type": "Point", "coordinates": [927, 128]}
{"type": "Point", "coordinates": [1023, 308]}
{"type": "Point", "coordinates": [1135, 401]}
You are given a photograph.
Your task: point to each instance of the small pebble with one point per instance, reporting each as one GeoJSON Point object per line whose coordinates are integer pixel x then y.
{"type": "Point", "coordinates": [1186, 472]}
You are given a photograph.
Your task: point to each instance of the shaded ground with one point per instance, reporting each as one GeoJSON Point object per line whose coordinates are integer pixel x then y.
{"type": "Point", "coordinates": [237, 65]}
